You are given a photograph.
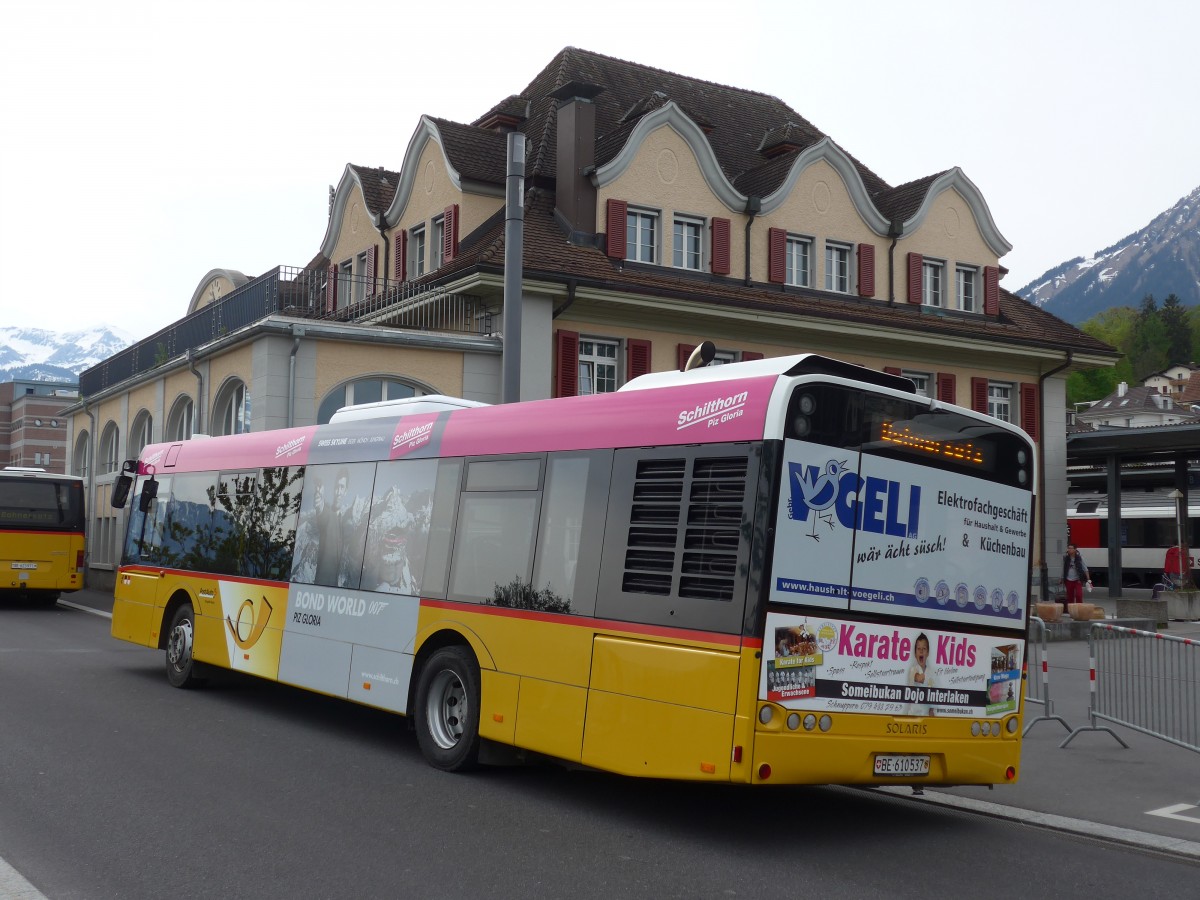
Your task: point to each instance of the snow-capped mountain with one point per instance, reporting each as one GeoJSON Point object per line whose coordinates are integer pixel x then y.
{"type": "Point", "coordinates": [37, 354]}
{"type": "Point", "coordinates": [1161, 259]}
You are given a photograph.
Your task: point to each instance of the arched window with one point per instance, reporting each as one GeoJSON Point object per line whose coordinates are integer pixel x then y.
{"type": "Point", "coordinates": [231, 412]}
{"type": "Point", "coordinates": [81, 461]}
{"type": "Point", "coordinates": [365, 390]}
{"type": "Point", "coordinates": [141, 434]}
{"type": "Point", "coordinates": [110, 449]}
{"type": "Point", "coordinates": [180, 419]}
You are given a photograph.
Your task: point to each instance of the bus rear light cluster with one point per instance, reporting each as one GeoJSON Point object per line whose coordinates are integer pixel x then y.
{"type": "Point", "coordinates": [986, 729]}
{"type": "Point", "coordinates": [1011, 725]}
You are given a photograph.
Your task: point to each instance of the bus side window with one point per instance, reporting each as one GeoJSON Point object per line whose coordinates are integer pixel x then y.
{"type": "Point", "coordinates": [441, 528]}
{"type": "Point", "coordinates": [574, 504]}
{"type": "Point", "coordinates": [494, 540]}
{"type": "Point", "coordinates": [398, 531]}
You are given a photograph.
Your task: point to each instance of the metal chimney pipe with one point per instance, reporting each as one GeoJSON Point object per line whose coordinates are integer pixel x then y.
{"type": "Point", "coordinates": [514, 248]}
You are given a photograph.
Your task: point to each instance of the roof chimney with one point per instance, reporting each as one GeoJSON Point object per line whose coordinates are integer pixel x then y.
{"type": "Point", "coordinates": [575, 196]}
{"type": "Point", "coordinates": [1122, 388]}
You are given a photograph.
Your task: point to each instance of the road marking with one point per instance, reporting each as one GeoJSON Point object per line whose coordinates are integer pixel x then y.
{"type": "Point", "coordinates": [1156, 842]}
{"type": "Point", "coordinates": [13, 886]}
{"type": "Point", "coordinates": [86, 609]}
{"type": "Point", "coordinates": [1176, 812]}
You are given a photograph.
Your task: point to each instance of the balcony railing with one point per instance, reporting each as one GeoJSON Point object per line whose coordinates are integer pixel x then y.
{"type": "Point", "coordinates": [305, 294]}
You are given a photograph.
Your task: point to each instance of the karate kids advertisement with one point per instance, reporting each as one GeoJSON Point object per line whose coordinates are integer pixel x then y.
{"type": "Point", "coordinates": [833, 665]}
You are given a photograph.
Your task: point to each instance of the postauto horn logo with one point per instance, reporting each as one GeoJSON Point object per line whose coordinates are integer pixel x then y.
{"type": "Point", "coordinates": [828, 495]}
{"type": "Point", "coordinates": [250, 624]}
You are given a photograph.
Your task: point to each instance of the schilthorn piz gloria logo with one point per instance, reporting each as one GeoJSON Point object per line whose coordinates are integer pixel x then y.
{"type": "Point", "coordinates": [832, 494]}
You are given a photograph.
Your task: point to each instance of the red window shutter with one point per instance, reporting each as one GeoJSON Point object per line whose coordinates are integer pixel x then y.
{"type": "Point", "coordinates": [1029, 409]}
{"type": "Point", "coordinates": [372, 271]}
{"type": "Point", "coordinates": [683, 351]}
{"type": "Point", "coordinates": [566, 363]}
{"type": "Point", "coordinates": [915, 263]}
{"type": "Point", "coordinates": [331, 280]}
{"type": "Point", "coordinates": [450, 233]}
{"type": "Point", "coordinates": [401, 250]}
{"type": "Point", "coordinates": [617, 210]}
{"type": "Point", "coordinates": [866, 270]}
{"type": "Point", "coordinates": [979, 394]}
{"type": "Point", "coordinates": [946, 388]}
{"type": "Point", "coordinates": [720, 246]}
{"type": "Point", "coordinates": [776, 255]}
{"type": "Point", "coordinates": [637, 360]}
{"type": "Point", "coordinates": [891, 370]}
{"type": "Point", "coordinates": [991, 290]}
{"type": "Point", "coordinates": [748, 355]}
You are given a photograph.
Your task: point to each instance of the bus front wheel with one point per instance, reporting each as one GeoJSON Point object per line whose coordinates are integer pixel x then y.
{"type": "Point", "coordinates": [181, 668]}
{"type": "Point", "coordinates": [447, 710]}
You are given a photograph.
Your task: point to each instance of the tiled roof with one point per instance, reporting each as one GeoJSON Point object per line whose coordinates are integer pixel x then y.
{"type": "Point", "coordinates": [1136, 401]}
{"type": "Point", "coordinates": [736, 120]}
{"type": "Point", "coordinates": [479, 154]}
{"type": "Point", "coordinates": [901, 203]}
{"type": "Point", "coordinates": [379, 187]}
{"type": "Point", "coordinates": [548, 254]}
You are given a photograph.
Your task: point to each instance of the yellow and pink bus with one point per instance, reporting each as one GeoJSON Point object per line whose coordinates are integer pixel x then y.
{"type": "Point", "coordinates": [790, 570]}
{"type": "Point", "coordinates": [42, 541]}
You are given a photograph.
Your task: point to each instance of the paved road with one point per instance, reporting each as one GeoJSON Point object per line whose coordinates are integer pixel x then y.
{"type": "Point", "coordinates": [113, 785]}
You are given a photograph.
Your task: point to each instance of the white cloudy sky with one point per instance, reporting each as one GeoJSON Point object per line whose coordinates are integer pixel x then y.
{"type": "Point", "coordinates": [144, 143]}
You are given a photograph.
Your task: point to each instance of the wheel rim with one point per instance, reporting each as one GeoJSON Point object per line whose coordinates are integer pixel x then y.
{"type": "Point", "coordinates": [179, 646]}
{"type": "Point", "coordinates": [446, 709]}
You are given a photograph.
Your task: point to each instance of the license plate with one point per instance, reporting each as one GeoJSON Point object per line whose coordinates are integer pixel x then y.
{"type": "Point", "coordinates": [25, 566]}
{"type": "Point", "coordinates": [901, 765]}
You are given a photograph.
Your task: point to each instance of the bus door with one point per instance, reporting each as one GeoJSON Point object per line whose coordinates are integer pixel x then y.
{"type": "Point", "coordinates": [139, 580]}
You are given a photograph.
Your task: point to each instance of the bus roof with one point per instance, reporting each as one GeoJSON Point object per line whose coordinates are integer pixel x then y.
{"type": "Point", "coordinates": [31, 472]}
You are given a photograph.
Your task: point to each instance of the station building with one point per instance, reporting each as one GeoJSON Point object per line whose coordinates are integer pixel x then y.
{"type": "Point", "coordinates": [659, 210]}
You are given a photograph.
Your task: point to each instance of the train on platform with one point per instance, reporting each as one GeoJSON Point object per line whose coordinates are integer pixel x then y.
{"type": "Point", "coordinates": [1149, 529]}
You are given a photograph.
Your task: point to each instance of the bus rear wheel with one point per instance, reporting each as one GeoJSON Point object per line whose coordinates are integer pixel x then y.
{"type": "Point", "coordinates": [447, 710]}
{"type": "Point", "coordinates": [181, 667]}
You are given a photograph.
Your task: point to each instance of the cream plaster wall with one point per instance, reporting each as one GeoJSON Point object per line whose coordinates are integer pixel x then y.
{"type": "Point", "coordinates": [819, 206]}
{"type": "Point", "coordinates": [357, 232]}
{"type": "Point", "coordinates": [433, 191]}
{"type": "Point", "coordinates": [338, 363]}
{"type": "Point", "coordinates": [948, 232]}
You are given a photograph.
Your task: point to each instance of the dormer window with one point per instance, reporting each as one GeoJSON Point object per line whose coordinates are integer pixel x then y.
{"type": "Point", "coordinates": [688, 247]}
{"type": "Point", "coordinates": [641, 235]}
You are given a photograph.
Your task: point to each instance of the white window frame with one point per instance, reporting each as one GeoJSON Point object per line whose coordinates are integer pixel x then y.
{"type": "Point", "coordinates": [933, 283]}
{"type": "Point", "coordinates": [599, 370]}
{"type": "Point", "coordinates": [345, 283]}
{"type": "Point", "coordinates": [923, 381]}
{"type": "Point", "coordinates": [435, 248]}
{"type": "Point", "coordinates": [1000, 399]}
{"type": "Point", "coordinates": [798, 249]}
{"type": "Point", "coordinates": [82, 460]}
{"type": "Point", "coordinates": [838, 269]}
{"type": "Point", "coordinates": [110, 448]}
{"type": "Point", "coordinates": [181, 420]}
{"type": "Point", "coordinates": [141, 434]}
{"type": "Point", "coordinates": [966, 288]}
{"type": "Point", "coordinates": [687, 243]}
{"type": "Point", "coordinates": [232, 414]}
{"type": "Point", "coordinates": [416, 252]}
{"type": "Point", "coordinates": [638, 223]}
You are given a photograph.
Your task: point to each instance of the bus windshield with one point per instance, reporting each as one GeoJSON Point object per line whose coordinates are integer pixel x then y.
{"type": "Point", "coordinates": [43, 503]}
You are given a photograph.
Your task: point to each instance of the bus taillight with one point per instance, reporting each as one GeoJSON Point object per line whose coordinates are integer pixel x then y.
{"type": "Point", "coordinates": [764, 771]}
{"type": "Point", "coordinates": [1010, 773]}
{"type": "Point", "coordinates": [78, 560]}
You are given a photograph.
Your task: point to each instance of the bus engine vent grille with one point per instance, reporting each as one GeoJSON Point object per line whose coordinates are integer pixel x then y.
{"type": "Point", "coordinates": [689, 548]}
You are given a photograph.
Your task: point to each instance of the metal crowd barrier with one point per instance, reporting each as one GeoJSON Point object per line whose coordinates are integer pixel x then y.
{"type": "Point", "coordinates": [1037, 675]}
{"type": "Point", "coordinates": [1146, 681]}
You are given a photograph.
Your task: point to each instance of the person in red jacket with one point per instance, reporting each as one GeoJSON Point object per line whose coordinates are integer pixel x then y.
{"type": "Point", "coordinates": [1075, 575]}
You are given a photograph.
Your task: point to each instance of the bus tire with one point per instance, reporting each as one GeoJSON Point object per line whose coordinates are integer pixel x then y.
{"type": "Point", "coordinates": [447, 710]}
{"type": "Point", "coordinates": [181, 667]}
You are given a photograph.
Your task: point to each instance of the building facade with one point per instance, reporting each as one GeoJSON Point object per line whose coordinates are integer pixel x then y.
{"type": "Point", "coordinates": [33, 425]}
{"type": "Point", "coordinates": [657, 211]}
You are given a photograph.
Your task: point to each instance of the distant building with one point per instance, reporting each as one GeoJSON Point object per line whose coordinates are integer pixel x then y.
{"type": "Point", "coordinates": [1136, 407]}
{"type": "Point", "coordinates": [33, 429]}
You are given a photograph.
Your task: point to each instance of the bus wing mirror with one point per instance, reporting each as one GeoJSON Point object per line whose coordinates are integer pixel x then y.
{"type": "Point", "coordinates": [120, 491]}
{"type": "Point", "coordinates": [149, 492]}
